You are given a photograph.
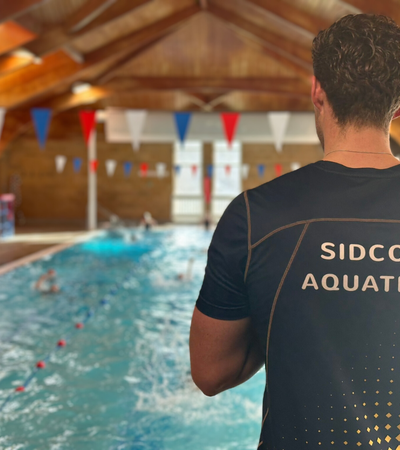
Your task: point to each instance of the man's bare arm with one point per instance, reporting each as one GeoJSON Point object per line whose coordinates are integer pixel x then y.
{"type": "Point", "coordinates": [223, 353]}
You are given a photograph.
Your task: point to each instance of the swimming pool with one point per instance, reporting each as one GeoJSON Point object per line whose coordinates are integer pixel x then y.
{"type": "Point", "coordinates": [123, 381]}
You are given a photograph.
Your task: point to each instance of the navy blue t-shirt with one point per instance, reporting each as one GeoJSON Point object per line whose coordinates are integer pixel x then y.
{"type": "Point", "coordinates": [313, 258]}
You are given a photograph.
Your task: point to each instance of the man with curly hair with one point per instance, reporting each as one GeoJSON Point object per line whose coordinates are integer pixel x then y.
{"type": "Point", "coordinates": [303, 272]}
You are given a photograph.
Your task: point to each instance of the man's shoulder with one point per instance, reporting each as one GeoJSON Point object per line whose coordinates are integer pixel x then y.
{"type": "Point", "coordinates": [284, 200]}
{"type": "Point", "coordinates": [289, 183]}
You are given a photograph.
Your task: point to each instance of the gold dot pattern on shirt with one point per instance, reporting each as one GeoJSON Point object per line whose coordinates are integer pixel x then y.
{"type": "Point", "coordinates": [379, 435]}
{"type": "Point", "coordinates": [367, 417]}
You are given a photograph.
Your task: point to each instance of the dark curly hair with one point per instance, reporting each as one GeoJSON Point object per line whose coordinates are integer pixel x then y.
{"type": "Point", "coordinates": [357, 62]}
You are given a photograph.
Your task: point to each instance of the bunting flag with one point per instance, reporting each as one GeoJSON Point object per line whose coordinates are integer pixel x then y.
{"type": "Point", "coordinates": [161, 170]}
{"type": "Point", "coordinates": [228, 170]}
{"type": "Point", "coordinates": [278, 170]}
{"type": "Point", "coordinates": [111, 164]}
{"type": "Point", "coordinates": [77, 163]}
{"type": "Point", "coordinates": [143, 169]}
{"type": "Point", "coordinates": [295, 165]}
{"type": "Point", "coordinates": [182, 122]}
{"type": "Point", "coordinates": [177, 169]}
{"type": "Point", "coordinates": [261, 170]}
{"type": "Point", "coordinates": [207, 189]}
{"type": "Point", "coordinates": [245, 171]}
{"type": "Point", "coordinates": [127, 168]}
{"type": "Point", "coordinates": [41, 118]}
{"type": "Point", "coordinates": [2, 116]}
{"type": "Point", "coordinates": [94, 164]}
{"type": "Point", "coordinates": [209, 170]}
{"type": "Point", "coordinates": [135, 119]}
{"type": "Point", "coordinates": [230, 122]}
{"type": "Point", "coordinates": [194, 169]}
{"type": "Point", "coordinates": [279, 122]}
{"type": "Point", "coordinates": [88, 122]}
{"type": "Point", "coordinates": [60, 163]}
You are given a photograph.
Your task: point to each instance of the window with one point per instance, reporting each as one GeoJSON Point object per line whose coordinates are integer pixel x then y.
{"type": "Point", "coordinates": [227, 179]}
{"type": "Point", "coordinates": [188, 199]}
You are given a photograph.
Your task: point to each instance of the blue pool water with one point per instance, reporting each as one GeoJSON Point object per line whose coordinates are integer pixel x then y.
{"type": "Point", "coordinates": [123, 381]}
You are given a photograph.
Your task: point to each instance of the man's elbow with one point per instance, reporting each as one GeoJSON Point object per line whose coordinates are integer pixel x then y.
{"type": "Point", "coordinates": [208, 386]}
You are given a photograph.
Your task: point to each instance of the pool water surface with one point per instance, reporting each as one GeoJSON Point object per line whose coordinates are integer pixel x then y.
{"type": "Point", "coordinates": [123, 381]}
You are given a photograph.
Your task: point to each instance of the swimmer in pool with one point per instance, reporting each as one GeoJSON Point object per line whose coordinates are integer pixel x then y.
{"type": "Point", "coordinates": [188, 275]}
{"type": "Point", "coordinates": [46, 283]}
{"type": "Point", "coordinates": [148, 220]}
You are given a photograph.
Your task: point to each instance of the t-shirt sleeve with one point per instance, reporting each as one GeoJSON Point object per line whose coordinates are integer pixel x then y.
{"type": "Point", "coordinates": [223, 294]}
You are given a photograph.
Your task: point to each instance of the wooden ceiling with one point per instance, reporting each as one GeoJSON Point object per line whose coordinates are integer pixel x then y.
{"type": "Point", "coordinates": [201, 55]}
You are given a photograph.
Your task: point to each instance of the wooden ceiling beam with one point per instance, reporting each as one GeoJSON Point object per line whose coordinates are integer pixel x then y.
{"type": "Point", "coordinates": [60, 36]}
{"type": "Point", "coordinates": [85, 15]}
{"type": "Point", "coordinates": [142, 37]}
{"type": "Point", "coordinates": [25, 85]}
{"type": "Point", "coordinates": [12, 63]}
{"type": "Point", "coordinates": [207, 103]}
{"type": "Point", "coordinates": [13, 35]}
{"type": "Point", "coordinates": [291, 86]}
{"type": "Point", "coordinates": [385, 7]}
{"type": "Point", "coordinates": [9, 9]}
{"type": "Point", "coordinates": [294, 14]}
{"type": "Point", "coordinates": [281, 50]}
{"type": "Point", "coordinates": [22, 87]}
{"type": "Point", "coordinates": [70, 100]}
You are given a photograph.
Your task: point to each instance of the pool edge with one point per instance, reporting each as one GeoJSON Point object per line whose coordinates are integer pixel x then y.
{"type": "Point", "coordinates": [84, 236]}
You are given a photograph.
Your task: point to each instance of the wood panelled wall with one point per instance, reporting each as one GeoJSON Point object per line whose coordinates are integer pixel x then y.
{"type": "Point", "coordinates": [47, 197]}
{"type": "Point", "coordinates": [50, 197]}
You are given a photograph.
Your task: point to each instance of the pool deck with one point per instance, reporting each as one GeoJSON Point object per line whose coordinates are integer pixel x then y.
{"type": "Point", "coordinates": [30, 244]}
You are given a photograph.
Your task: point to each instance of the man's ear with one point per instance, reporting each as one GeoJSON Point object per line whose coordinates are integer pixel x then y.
{"type": "Point", "coordinates": [317, 94]}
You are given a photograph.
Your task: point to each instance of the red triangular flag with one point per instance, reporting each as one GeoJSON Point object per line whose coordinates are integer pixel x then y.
{"type": "Point", "coordinates": [228, 170]}
{"type": "Point", "coordinates": [88, 119]}
{"type": "Point", "coordinates": [93, 165]}
{"type": "Point", "coordinates": [143, 169]}
{"type": "Point", "coordinates": [194, 169]}
{"type": "Point", "coordinates": [278, 170]}
{"type": "Point", "coordinates": [230, 122]}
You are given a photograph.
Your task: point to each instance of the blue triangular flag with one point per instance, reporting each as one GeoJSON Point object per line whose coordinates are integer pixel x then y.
{"type": "Point", "coordinates": [261, 170]}
{"type": "Point", "coordinates": [177, 169]}
{"type": "Point", "coordinates": [127, 168]}
{"type": "Point", "coordinates": [41, 119]}
{"type": "Point", "coordinates": [209, 170]}
{"type": "Point", "coordinates": [77, 162]}
{"type": "Point", "coordinates": [182, 120]}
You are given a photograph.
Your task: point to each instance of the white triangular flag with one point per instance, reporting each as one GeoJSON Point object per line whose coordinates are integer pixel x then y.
{"type": "Point", "coordinates": [279, 122]}
{"type": "Point", "coordinates": [161, 169]}
{"type": "Point", "coordinates": [60, 163]}
{"type": "Point", "coordinates": [295, 165]}
{"type": "Point", "coordinates": [135, 119]}
{"type": "Point", "coordinates": [2, 116]}
{"type": "Point", "coordinates": [111, 164]}
{"type": "Point", "coordinates": [245, 171]}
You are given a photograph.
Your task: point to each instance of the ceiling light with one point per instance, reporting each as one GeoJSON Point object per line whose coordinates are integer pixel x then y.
{"type": "Point", "coordinates": [79, 88]}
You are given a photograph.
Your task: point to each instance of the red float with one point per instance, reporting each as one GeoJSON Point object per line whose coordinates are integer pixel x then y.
{"type": "Point", "coordinates": [20, 389]}
{"type": "Point", "coordinates": [62, 343]}
{"type": "Point", "coordinates": [41, 365]}
{"type": "Point", "coordinates": [79, 325]}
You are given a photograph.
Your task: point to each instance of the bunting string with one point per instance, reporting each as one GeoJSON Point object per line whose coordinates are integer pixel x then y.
{"type": "Point", "coordinates": [160, 168]}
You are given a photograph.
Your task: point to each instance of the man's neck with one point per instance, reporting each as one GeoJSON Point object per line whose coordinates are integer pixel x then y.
{"type": "Point", "coordinates": [366, 147]}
